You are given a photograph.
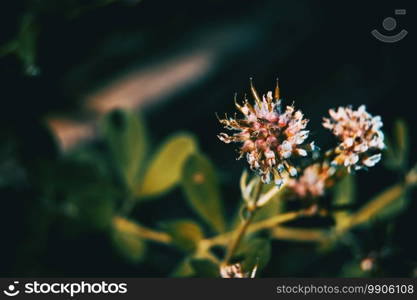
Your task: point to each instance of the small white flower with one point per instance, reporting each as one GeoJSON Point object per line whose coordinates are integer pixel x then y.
{"type": "Point", "coordinates": [293, 171]}
{"type": "Point", "coordinates": [372, 160]}
{"type": "Point", "coordinates": [302, 152]}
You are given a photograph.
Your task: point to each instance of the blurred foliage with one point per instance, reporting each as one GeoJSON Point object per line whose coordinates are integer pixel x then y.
{"type": "Point", "coordinates": [255, 253]}
{"type": "Point", "coordinates": [165, 168]}
{"type": "Point", "coordinates": [126, 239]}
{"type": "Point", "coordinates": [186, 234]}
{"type": "Point", "coordinates": [24, 45]}
{"type": "Point", "coordinates": [125, 138]}
{"type": "Point", "coordinates": [201, 188]}
{"type": "Point", "coordinates": [99, 189]}
{"type": "Point", "coordinates": [398, 147]}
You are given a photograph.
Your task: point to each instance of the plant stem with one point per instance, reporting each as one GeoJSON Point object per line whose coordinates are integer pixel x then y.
{"type": "Point", "coordinates": [223, 239]}
{"type": "Point", "coordinates": [127, 205]}
{"type": "Point", "coordinates": [358, 218]}
{"type": "Point", "coordinates": [251, 211]}
{"type": "Point", "coordinates": [274, 221]}
{"type": "Point", "coordinates": [141, 231]}
{"type": "Point", "coordinates": [239, 237]}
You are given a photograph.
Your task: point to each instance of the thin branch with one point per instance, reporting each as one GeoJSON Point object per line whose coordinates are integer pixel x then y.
{"type": "Point", "coordinates": [299, 234]}
{"type": "Point", "coordinates": [141, 231]}
{"type": "Point", "coordinates": [251, 209]}
{"type": "Point", "coordinates": [224, 239]}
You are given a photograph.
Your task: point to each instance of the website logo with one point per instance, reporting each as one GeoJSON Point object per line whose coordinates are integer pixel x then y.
{"type": "Point", "coordinates": [390, 24]}
{"type": "Point", "coordinates": [12, 289]}
{"type": "Point", "coordinates": [65, 288]}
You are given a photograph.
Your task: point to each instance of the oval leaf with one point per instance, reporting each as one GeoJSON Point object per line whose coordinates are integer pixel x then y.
{"type": "Point", "coordinates": [126, 241]}
{"type": "Point", "coordinates": [201, 188]}
{"type": "Point", "coordinates": [397, 147]}
{"type": "Point", "coordinates": [255, 252]}
{"type": "Point", "coordinates": [402, 145]}
{"type": "Point", "coordinates": [273, 207]}
{"type": "Point", "coordinates": [165, 168]}
{"type": "Point", "coordinates": [185, 234]}
{"type": "Point", "coordinates": [125, 135]}
{"type": "Point", "coordinates": [345, 191]}
{"type": "Point", "coordinates": [183, 269]}
{"type": "Point", "coordinates": [204, 268]}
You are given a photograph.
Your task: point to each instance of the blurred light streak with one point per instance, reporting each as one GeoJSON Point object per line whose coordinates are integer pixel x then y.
{"type": "Point", "coordinates": [131, 92]}
{"type": "Point", "coordinates": [70, 132]}
{"type": "Point", "coordinates": [150, 84]}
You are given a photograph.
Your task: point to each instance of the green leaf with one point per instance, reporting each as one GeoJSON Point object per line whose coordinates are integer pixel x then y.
{"type": "Point", "coordinates": [381, 206]}
{"type": "Point", "coordinates": [344, 194]}
{"type": "Point", "coordinates": [397, 147]}
{"type": "Point", "coordinates": [8, 48]}
{"type": "Point", "coordinates": [91, 203]}
{"type": "Point", "coordinates": [345, 191]}
{"type": "Point", "coordinates": [79, 191]}
{"type": "Point", "coordinates": [402, 145]}
{"type": "Point", "coordinates": [27, 41]}
{"type": "Point", "coordinates": [185, 234]}
{"type": "Point", "coordinates": [164, 170]}
{"type": "Point", "coordinates": [352, 269]}
{"type": "Point", "coordinates": [204, 268]}
{"type": "Point", "coordinates": [394, 208]}
{"type": "Point", "coordinates": [91, 157]}
{"type": "Point", "coordinates": [390, 160]}
{"type": "Point", "coordinates": [273, 207]}
{"type": "Point", "coordinates": [95, 207]}
{"type": "Point", "coordinates": [126, 241]}
{"type": "Point", "coordinates": [126, 138]}
{"type": "Point", "coordinates": [184, 269]}
{"type": "Point", "coordinates": [201, 188]}
{"type": "Point", "coordinates": [24, 44]}
{"type": "Point", "coordinates": [256, 252]}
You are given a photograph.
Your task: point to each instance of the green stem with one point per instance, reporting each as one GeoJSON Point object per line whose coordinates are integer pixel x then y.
{"type": "Point", "coordinates": [141, 231]}
{"type": "Point", "coordinates": [127, 205]}
{"type": "Point", "coordinates": [251, 211]}
{"type": "Point", "coordinates": [239, 237]}
{"type": "Point", "coordinates": [223, 239]}
{"type": "Point", "coordinates": [365, 213]}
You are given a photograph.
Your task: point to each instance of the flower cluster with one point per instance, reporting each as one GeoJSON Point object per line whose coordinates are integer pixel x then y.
{"type": "Point", "coordinates": [312, 182]}
{"type": "Point", "coordinates": [360, 137]}
{"type": "Point", "coordinates": [270, 136]}
{"type": "Point", "coordinates": [235, 271]}
{"type": "Point", "coordinates": [232, 271]}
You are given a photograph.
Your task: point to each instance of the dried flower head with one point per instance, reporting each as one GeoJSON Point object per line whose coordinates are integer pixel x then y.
{"type": "Point", "coordinates": [270, 136]}
{"type": "Point", "coordinates": [232, 271]}
{"type": "Point", "coordinates": [312, 182]}
{"type": "Point", "coordinates": [360, 137]}
{"type": "Point", "coordinates": [235, 271]}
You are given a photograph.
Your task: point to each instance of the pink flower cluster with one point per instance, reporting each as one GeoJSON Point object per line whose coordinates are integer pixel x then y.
{"type": "Point", "coordinates": [312, 182]}
{"type": "Point", "coordinates": [269, 136]}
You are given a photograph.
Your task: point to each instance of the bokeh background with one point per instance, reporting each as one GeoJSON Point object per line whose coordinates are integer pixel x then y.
{"type": "Point", "coordinates": [66, 64]}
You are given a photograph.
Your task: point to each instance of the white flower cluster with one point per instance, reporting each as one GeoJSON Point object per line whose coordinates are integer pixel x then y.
{"type": "Point", "coordinates": [360, 137]}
